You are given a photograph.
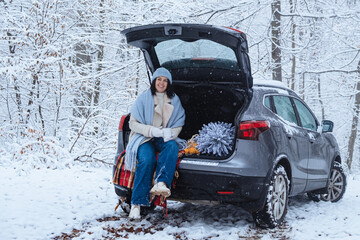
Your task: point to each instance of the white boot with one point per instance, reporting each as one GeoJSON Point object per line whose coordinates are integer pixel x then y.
{"type": "Point", "coordinates": [160, 189]}
{"type": "Point", "coordinates": [134, 212]}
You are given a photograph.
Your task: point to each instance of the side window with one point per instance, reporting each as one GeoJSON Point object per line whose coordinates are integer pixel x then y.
{"type": "Point", "coordinates": [306, 117]}
{"type": "Point", "coordinates": [284, 108]}
{"type": "Point", "coordinates": [267, 102]}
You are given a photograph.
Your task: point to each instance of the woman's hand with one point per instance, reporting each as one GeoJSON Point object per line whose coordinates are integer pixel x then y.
{"type": "Point", "coordinates": [156, 132]}
{"type": "Point", "coordinates": [165, 133]}
{"type": "Point", "coordinates": [168, 134]}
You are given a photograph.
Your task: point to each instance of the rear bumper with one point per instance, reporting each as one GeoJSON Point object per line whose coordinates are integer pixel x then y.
{"type": "Point", "coordinates": [248, 192]}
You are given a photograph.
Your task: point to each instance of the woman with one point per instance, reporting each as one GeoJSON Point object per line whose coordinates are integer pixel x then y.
{"type": "Point", "coordinates": [156, 120]}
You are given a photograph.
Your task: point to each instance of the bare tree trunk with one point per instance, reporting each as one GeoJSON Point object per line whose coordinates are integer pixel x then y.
{"type": "Point", "coordinates": [83, 99]}
{"type": "Point", "coordinates": [275, 39]}
{"type": "Point", "coordinates": [31, 96]}
{"type": "Point", "coordinates": [18, 100]}
{"type": "Point", "coordinates": [40, 109]}
{"type": "Point", "coordinates": [320, 100]}
{"type": "Point", "coordinates": [96, 93]}
{"type": "Point", "coordinates": [293, 31]}
{"type": "Point", "coordinates": [17, 91]}
{"type": "Point", "coordinates": [354, 125]}
{"type": "Point", "coordinates": [58, 100]}
{"type": "Point", "coordinates": [100, 57]}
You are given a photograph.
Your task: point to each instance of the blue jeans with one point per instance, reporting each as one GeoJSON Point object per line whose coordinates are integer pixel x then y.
{"type": "Point", "coordinates": [146, 164]}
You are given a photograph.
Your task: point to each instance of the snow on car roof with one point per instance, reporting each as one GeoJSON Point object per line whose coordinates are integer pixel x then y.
{"type": "Point", "coordinates": [279, 86]}
{"type": "Point", "coordinates": [270, 83]}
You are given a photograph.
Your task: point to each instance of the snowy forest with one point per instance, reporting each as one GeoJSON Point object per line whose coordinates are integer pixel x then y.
{"type": "Point", "coordinates": [67, 74]}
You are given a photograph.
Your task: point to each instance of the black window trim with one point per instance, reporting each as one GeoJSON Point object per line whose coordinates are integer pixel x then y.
{"type": "Point", "coordinates": [298, 116]}
{"type": "Point", "coordinates": [272, 104]}
{"type": "Point", "coordinates": [296, 112]}
{"type": "Point", "coordinates": [271, 101]}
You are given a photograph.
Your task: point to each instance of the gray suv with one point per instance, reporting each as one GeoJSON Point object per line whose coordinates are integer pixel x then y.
{"type": "Point", "coordinates": [279, 150]}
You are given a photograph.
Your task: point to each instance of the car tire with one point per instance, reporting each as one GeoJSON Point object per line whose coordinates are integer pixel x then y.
{"type": "Point", "coordinates": [276, 203]}
{"type": "Point", "coordinates": [336, 185]}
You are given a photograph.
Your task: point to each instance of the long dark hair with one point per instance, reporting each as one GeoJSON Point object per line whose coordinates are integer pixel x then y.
{"type": "Point", "coordinates": [169, 90]}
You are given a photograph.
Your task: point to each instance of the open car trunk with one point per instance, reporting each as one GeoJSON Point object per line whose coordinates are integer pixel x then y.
{"type": "Point", "coordinates": [205, 103]}
{"type": "Point", "coordinates": [210, 68]}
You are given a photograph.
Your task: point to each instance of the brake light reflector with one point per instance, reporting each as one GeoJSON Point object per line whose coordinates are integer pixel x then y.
{"type": "Point", "coordinates": [225, 193]}
{"type": "Point", "coordinates": [121, 124]}
{"type": "Point", "coordinates": [251, 130]}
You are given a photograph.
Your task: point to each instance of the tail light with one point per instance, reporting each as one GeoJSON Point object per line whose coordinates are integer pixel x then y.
{"type": "Point", "coordinates": [121, 124]}
{"type": "Point", "coordinates": [251, 130]}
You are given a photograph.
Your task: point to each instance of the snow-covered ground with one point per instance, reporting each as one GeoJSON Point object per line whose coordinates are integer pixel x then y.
{"type": "Point", "coordinates": [79, 203]}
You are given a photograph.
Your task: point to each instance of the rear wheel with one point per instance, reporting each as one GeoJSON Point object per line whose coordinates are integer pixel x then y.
{"type": "Point", "coordinates": [276, 201]}
{"type": "Point", "coordinates": [337, 184]}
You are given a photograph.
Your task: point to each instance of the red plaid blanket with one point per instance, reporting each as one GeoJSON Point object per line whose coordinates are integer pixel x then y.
{"type": "Point", "coordinates": [125, 178]}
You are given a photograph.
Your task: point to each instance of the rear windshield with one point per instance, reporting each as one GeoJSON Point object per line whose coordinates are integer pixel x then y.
{"type": "Point", "coordinates": [202, 49]}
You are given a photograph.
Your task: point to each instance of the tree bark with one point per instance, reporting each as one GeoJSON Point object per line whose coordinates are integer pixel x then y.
{"type": "Point", "coordinates": [40, 109]}
{"type": "Point", "coordinates": [354, 125]}
{"type": "Point", "coordinates": [58, 100]}
{"type": "Point", "coordinates": [100, 57]}
{"type": "Point", "coordinates": [31, 96]}
{"type": "Point", "coordinates": [83, 99]}
{"type": "Point", "coordinates": [16, 88]}
{"type": "Point", "coordinates": [319, 95]}
{"type": "Point", "coordinates": [293, 31]}
{"type": "Point", "coordinates": [275, 39]}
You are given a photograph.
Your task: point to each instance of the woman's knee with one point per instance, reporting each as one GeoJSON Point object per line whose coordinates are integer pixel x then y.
{"type": "Point", "coordinates": [146, 155]}
{"type": "Point", "coordinates": [172, 146]}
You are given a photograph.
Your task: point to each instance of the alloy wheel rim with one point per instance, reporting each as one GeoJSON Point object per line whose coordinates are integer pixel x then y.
{"type": "Point", "coordinates": [336, 186]}
{"type": "Point", "coordinates": [279, 197]}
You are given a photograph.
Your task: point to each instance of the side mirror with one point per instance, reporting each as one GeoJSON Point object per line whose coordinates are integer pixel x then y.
{"type": "Point", "coordinates": [327, 126]}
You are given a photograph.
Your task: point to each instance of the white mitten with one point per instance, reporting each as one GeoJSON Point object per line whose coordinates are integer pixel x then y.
{"type": "Point", "coordinates": [156, 132]}
{"type": "Point", "coordinates": [168, 134]}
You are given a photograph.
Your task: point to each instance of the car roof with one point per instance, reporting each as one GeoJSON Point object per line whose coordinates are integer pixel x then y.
{"type": "Point", "coordinates": [270, 83]}
{"type": "Point", "coordinates": [276, 86]}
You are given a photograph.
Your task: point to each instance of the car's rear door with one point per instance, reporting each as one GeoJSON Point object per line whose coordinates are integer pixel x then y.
{"type": "Point", "coordinates": [296, 142]}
